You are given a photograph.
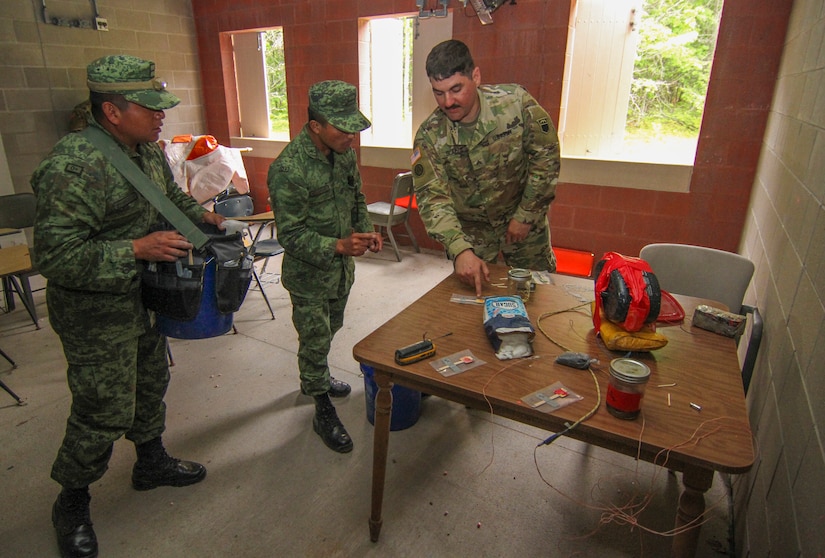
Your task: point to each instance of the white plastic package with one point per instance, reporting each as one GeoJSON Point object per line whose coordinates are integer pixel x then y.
{"type": "Point", "coordinates": [508, 327]}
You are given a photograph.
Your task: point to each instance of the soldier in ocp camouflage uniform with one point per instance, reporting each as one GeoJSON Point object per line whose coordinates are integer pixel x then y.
{"type": "Point", "coordinates": [485, 166]}
{"type": "Point", "coordinates": [91, 238]}
{"type": "Point", "coordinates": [322, 220]}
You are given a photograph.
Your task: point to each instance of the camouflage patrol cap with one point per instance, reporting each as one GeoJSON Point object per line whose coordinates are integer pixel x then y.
{"type": "Point", "coordinates": [337, 102]}
{"type": "Point", "coordinates": [132, 77]}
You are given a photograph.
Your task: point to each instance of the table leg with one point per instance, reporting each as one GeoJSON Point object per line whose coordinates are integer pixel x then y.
{"type": "Point", "coordinates": [696, 481]}
{"type": "Point", "coordinates": [381, 438]}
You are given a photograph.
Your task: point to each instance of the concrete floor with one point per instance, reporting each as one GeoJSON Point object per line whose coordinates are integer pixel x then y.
{"type": "Point", "coordinates": [459, 483]}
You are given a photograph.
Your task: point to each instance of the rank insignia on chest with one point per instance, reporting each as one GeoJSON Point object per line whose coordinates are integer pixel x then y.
{"type": "Point", "coordinates": [74, 169]}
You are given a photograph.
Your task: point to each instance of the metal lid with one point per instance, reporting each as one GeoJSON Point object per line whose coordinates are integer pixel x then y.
{"type": "Point", "coordinates": [519, 273]}
{"type": "Point", "coordinates": [629, 370]}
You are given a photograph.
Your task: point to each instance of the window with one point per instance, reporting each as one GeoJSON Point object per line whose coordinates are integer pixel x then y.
{"type": "Point", "coordinates": [273, 43]}
{"type": "Point", "coordinates": [636, 78]}
{"type": "Point", "coordinates": [394, 92]}
{"type": "Point", "coordinates": [259, 66]}
{"type": "Point", "coordinates": [386, 80]}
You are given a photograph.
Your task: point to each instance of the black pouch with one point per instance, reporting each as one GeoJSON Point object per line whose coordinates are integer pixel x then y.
{"type": "Point", "coordinates": [174, 289]}
{"type": "Point", "coordinates": [233, 272]}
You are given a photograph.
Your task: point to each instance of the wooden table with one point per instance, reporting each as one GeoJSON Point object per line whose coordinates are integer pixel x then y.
{"type": "Point", "coordinates": [14, 260]}
{"type": "Point", "coordinates": [703, 365]}
{"type": "Point", "coordinates": [264, 217]}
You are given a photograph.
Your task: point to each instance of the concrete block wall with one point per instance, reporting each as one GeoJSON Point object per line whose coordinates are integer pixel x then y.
{"type": "Point", "coordinates": [43, 68]}
{"type": "Point", "coordinates": [778, 505]}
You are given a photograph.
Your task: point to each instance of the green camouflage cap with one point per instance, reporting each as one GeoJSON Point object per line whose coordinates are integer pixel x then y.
{"type": "Point", "coordinates": [337, 102]}
{"type": "Point", "coordinates": [132, 77]}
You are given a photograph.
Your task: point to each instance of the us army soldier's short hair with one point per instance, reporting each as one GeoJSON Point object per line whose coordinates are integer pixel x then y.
{"type": "Point", "coordinates": [448, 58]}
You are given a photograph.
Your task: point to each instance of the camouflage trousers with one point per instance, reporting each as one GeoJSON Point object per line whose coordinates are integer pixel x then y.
{"type": "Point", "coordinates": [533, 252]}
{"type": "Point", "coordinates": [117, 390]}
{"type": "Point", "coordinates": [316, 321]}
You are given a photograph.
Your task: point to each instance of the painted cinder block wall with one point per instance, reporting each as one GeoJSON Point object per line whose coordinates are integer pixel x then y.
{"type": "Point", "coordinates": [526, 44]}
{"type": "Point", "coordinates": [43, 70]}
{"type": "Point", "coordinates": [778, 505]}
{"type": "Point", "coordinates": [780, 502]}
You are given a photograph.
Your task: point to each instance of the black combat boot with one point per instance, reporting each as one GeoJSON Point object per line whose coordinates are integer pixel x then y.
{"type": "Point", "coordinates": [337, 388]}
{"type": "Point", "coordinates": [328, 426]}
{"type": "Point", "coordinates": [73, 524]}
{"type": "Point", "coordinates": [155, 468]}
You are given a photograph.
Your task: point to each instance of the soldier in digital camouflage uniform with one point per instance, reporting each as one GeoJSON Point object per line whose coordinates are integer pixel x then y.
{"type": "Point", "coordinates": [91, 238]}
{"type": "Point", "coordinates": [485, 165]}
{"type": "Point", "coordinates": [322, 219]}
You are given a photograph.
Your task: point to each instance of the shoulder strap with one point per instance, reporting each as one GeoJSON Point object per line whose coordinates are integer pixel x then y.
{"type": "Point", "coordinates": [145, 187]}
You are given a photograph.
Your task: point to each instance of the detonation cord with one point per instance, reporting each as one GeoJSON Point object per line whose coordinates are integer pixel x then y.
{"type": "Point", "coordinates": [591, 412]}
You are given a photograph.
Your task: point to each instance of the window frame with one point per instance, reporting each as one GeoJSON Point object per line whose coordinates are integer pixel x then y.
{"type": "Point", "coordinates": [251, 89]}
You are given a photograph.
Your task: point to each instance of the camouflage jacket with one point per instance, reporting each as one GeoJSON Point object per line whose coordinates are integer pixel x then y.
{"type": "Point", "coordinates": [505, 166]}
{"type": "Point", "coordinates": [315, 204]}
{"type": "Point", "coordinates": [87, 216]}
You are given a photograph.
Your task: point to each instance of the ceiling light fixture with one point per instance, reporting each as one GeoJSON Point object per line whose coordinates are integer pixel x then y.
{"type": "Point", "coordinates": [484, 9]}
{"type": "Point", "coordinates": [425, 13]}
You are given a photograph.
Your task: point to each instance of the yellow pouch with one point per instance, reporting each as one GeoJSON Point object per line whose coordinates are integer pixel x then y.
{"type": "Point", "coordinates": [616, 338]}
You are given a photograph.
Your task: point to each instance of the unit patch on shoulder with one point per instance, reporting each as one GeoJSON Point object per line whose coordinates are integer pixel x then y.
{"type": "Point", "coordinates": [418, 169]}
{"type": "Point", "coordinates": [544, 124]}
{"type": "Point", "coordinates": [74, 168]}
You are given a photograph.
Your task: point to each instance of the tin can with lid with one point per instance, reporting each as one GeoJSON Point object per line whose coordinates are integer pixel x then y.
{"type": "Point", "coordinates": [520, 283]}
{"type": "Point", "coordinates": [628, 378]}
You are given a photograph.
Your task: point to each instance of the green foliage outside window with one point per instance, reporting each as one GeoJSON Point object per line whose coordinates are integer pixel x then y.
{"type": "Point", "coordinates": [273, 41]}
{"type": "Point", "coordinates": [672, 69]}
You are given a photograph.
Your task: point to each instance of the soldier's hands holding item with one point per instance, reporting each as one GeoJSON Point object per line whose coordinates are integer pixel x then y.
{"type": "Point", "coordinates": [357, 244]}
{"type": "Point", "coordinates": [212, 218]}
{"type": "Point", "coordinates": [161, 246]}
{"type": "Point", "coordinates": [516, 231]}
{"type": "Point", "coordinates": [377, 242]}
{"type": "Point", "coordinates": [471, 270]}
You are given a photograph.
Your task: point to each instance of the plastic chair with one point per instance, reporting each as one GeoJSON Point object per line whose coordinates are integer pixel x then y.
{"type": "Point", "coordinates": [17, 211]}
{"type": "Point", "coordinates": [270, 244]}
{"type": "Point", "coordinates": [701, 272]}
{"type": "Point", "coordinates": [715, 275]}
{"type": "Point", "coordinates": [748, 343]}
{"type": "Point", "coordinates": [386, 215]}
{"type": "Point", "coordinates": [243, 206]}
{"type": "Point", "coordinates": [3, 385]}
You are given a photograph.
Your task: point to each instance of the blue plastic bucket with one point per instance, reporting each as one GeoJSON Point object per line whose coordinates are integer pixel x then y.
{"type": "Point", "coordinates": [406, 403]}
{"type": "Point", "coordinates": [209, 322]}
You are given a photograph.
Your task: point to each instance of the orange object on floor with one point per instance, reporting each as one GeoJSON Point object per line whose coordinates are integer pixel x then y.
{"type": "Point", "coordinates": [405, 202]}
{"type": "Point", "coordinates": [573, 262]}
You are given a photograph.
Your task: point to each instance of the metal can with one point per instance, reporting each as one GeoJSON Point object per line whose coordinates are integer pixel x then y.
{"type": "Point", "coordinates": [628, 379]}
{"type": "Point", "coordinates": [520, 283]}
